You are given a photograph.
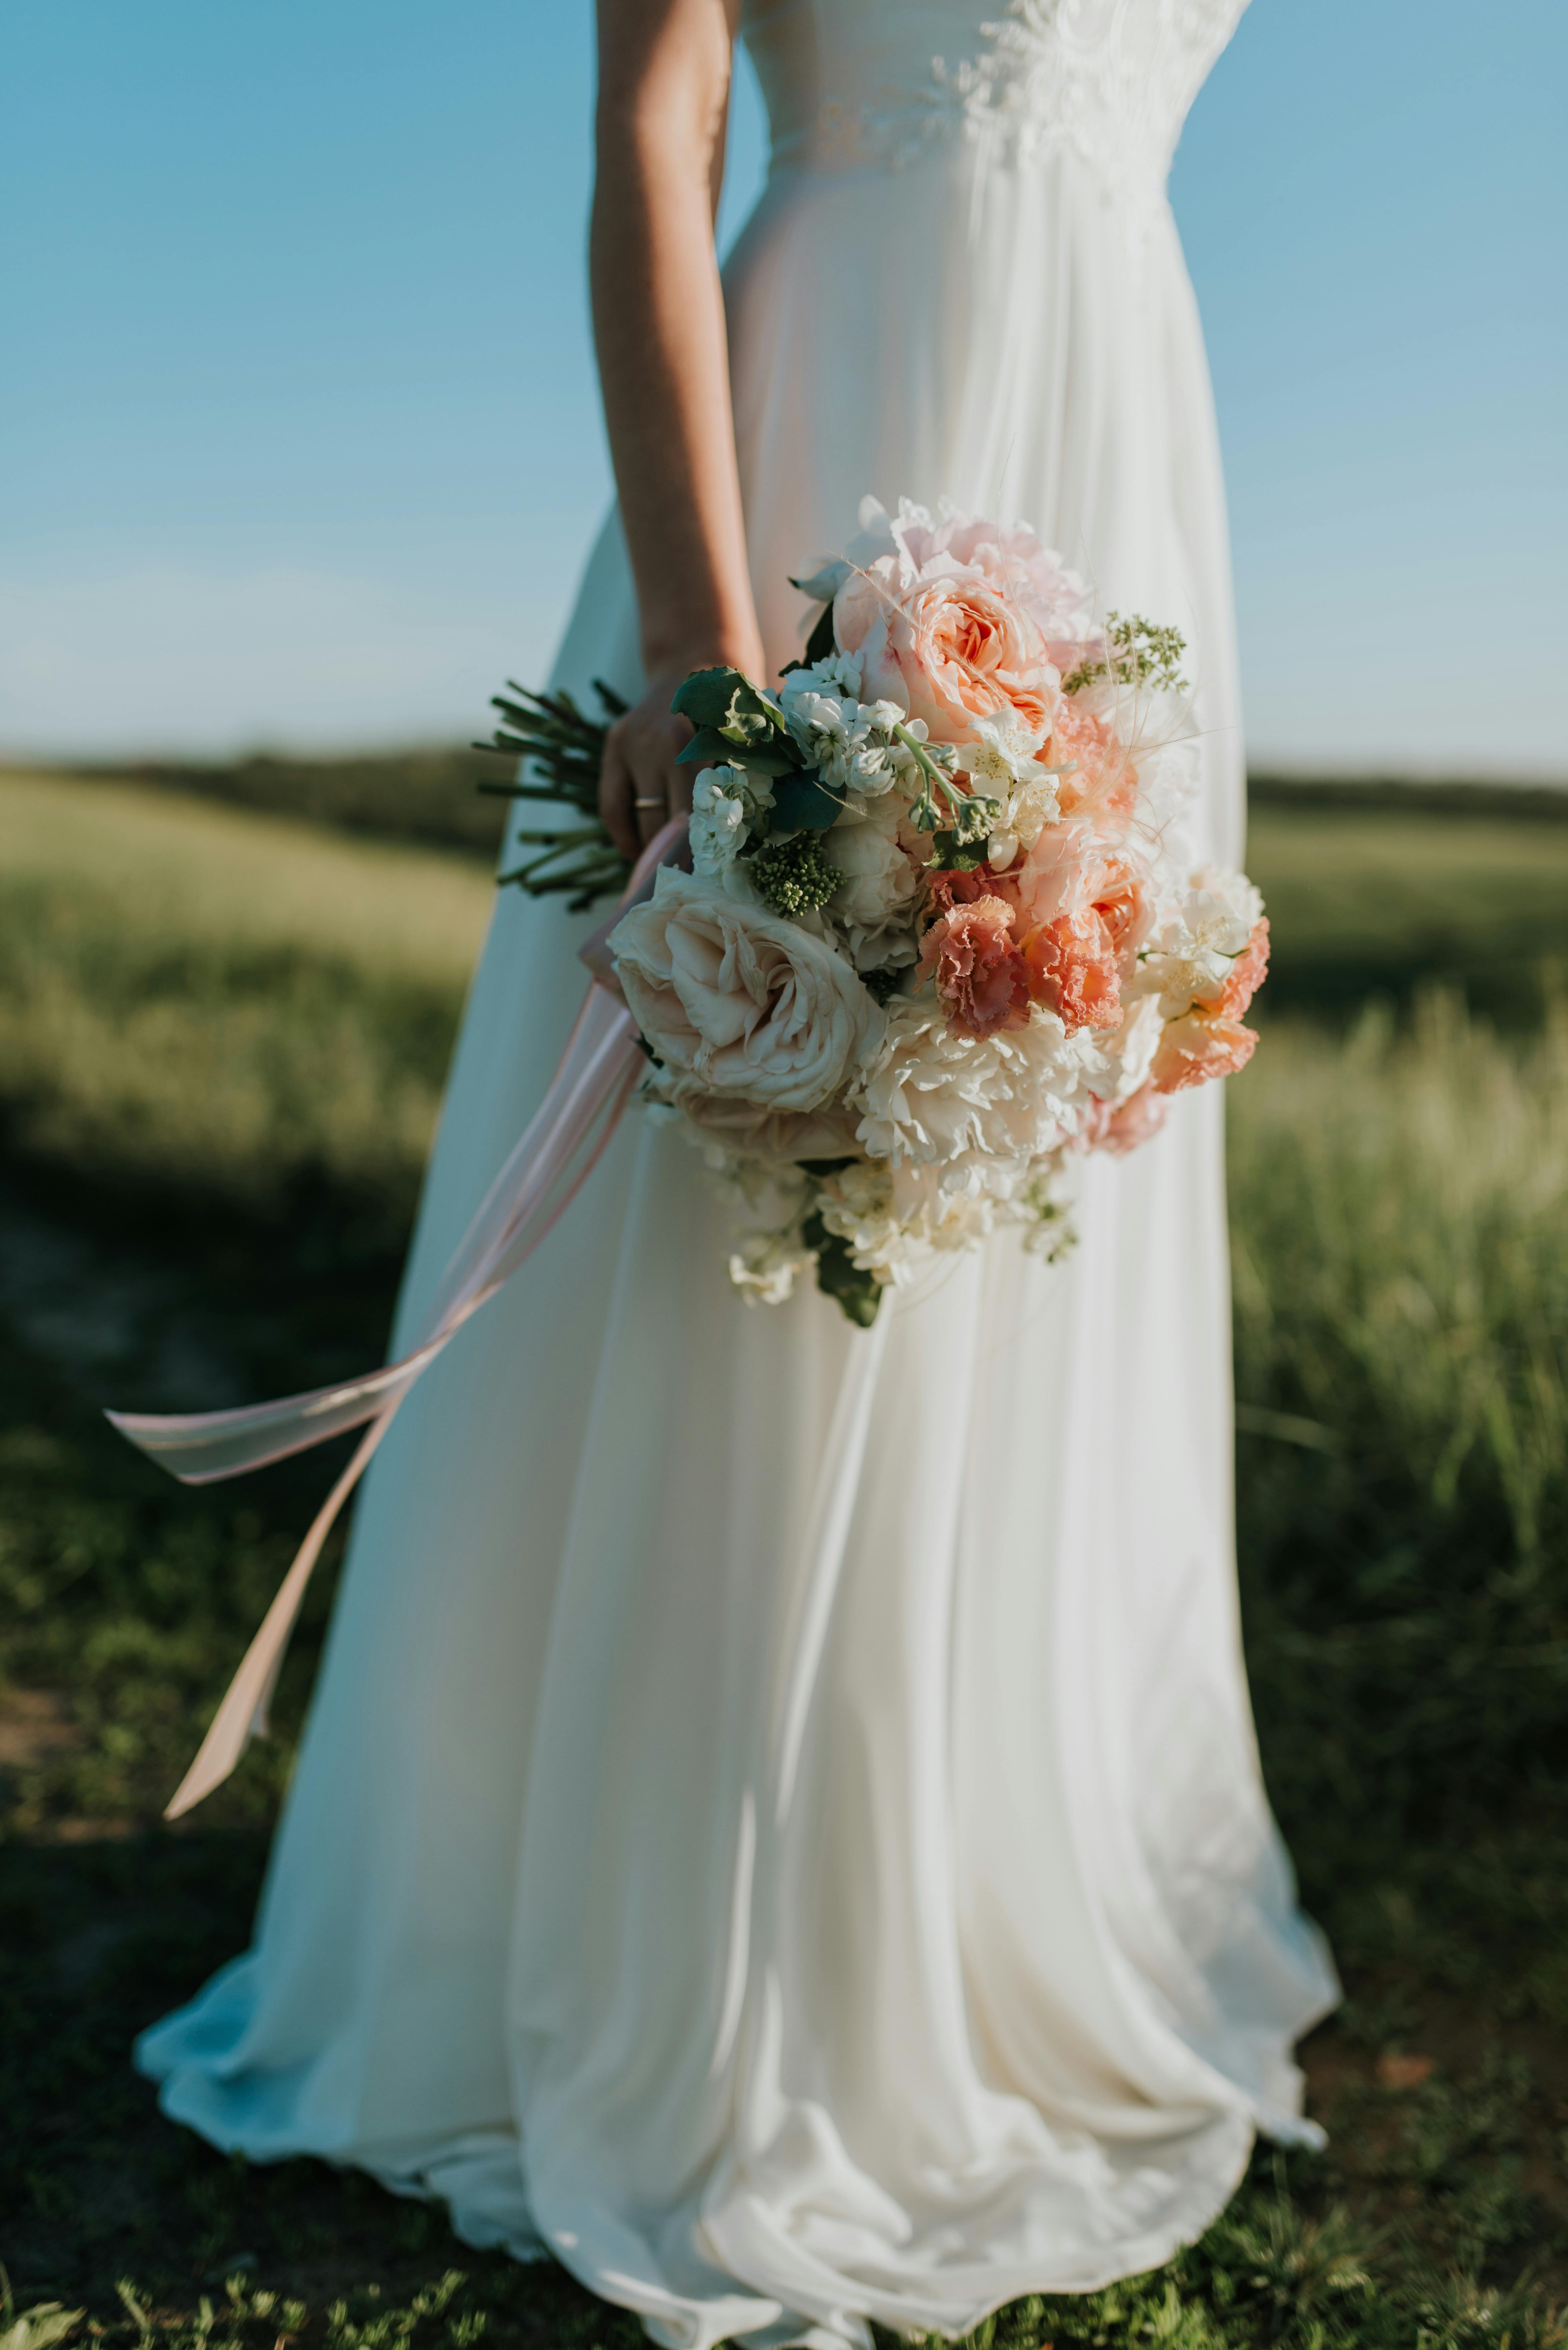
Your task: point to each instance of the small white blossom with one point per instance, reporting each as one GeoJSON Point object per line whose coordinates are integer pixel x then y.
{"type": "Point", "coordinates": [766, 1265]}
{"type": "Point", "coordinates": [1197, 936]}
{"type": "Point", "coordinates": [726, 802]}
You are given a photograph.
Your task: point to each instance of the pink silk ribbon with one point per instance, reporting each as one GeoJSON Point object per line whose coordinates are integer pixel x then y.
{"type": "Point", "coordinates": [545, 1171]}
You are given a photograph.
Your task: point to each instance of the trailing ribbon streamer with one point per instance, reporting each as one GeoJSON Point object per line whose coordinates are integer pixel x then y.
{"type": "Point", "coordinates": [547, 1168]}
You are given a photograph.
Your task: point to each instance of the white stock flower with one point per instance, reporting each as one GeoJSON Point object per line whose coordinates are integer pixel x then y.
{"type": "Point", "coordinates": [928, 1095]}
{"type": "Point", "coordinates": [850, 742]}
{"type": "Point", "coordinates": [719, 822]}
{"type": "Point", "coordinates": [738, 1002]}
{"type": "Point", "coordinates": [895, 1221]}
{"type": "Point", "coordinates": [726, 802]}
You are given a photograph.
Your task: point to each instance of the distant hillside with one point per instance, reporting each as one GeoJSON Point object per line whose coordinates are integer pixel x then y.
{"type": "Point", "coordinates": [1390, 794]}
{"type": "Point", "coordinates": [426, 795]}
{"type": "Point", "coordinates": [431, 795]}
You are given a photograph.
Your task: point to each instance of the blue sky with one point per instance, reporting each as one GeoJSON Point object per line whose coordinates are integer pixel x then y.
{"type": "Point", "coordinates": [302, 442]}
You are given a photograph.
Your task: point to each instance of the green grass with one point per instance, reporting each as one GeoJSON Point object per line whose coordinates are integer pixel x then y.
{"type": "Point", "coordinates": [221, 1037]}
{"type": "Point", "coordinates": [1380, 900]}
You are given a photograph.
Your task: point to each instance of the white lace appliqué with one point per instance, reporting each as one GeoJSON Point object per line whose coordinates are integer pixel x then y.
{"type": "Point", "coordinates": [1112, 79]}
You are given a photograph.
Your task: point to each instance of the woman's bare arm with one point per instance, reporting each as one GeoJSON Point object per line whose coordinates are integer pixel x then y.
{"type": "Point", "coordinates": [659, 323]}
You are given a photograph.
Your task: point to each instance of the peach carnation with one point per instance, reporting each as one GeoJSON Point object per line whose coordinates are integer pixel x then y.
{"type": "Point", "coordinates": [980, 973]}
{"type": "Point", "coordinates": [1071, 967]}
{"type": "Point", "coordinates": [1203, 1043]}
{"type": "Point", "coordinates": [1247, 973]}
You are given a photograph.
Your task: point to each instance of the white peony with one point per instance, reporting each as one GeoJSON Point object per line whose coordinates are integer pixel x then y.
{"type": "Point", "coordinates": [1129, 1050]}
{"type": "Point", "coordinates": [928, 1095]}
{"type": "Point", "coordinates": [738, 1002]}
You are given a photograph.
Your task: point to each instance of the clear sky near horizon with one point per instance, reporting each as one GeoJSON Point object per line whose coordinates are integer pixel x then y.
{"type": "Point", "coordinates": [302, 441]}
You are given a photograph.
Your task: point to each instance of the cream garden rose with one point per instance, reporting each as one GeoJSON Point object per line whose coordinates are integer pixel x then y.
{"type": "Point", "coordinates": [738, 1002]}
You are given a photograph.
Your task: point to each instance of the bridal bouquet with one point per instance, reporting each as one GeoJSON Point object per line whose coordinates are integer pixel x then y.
{"type": "Point", "coordinates": [941, 929]}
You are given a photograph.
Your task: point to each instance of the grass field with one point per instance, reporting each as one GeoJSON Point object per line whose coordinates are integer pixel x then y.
{"type": "Point", "coordinates": [222, 1039]}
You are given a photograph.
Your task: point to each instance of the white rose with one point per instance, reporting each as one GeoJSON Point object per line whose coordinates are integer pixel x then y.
{"type": "Point", "coordinates": [737, 1001]}
{"type": "Point", "coordinates": [874, 906]}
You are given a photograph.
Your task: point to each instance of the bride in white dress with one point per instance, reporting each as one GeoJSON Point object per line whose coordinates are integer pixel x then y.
{"type": "Point", "coordinates": [780, 1827]}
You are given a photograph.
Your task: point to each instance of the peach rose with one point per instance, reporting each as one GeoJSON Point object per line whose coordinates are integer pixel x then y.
{"type": "Point", "coordinates": [980, 973]}
{"type": "Point", "coordinates": [950, 645]}
{"type": "Point", "coordinates": [1203, 1043]}
{"type": "Point", "coordinates": [1072, 966]}
{"type": "Point", "coordinates": [1007, 554]}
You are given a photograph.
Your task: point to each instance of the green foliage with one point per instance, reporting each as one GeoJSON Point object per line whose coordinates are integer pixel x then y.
{"type": "Point", "coordinates": [556, 751]}
{"type": "Point", "coordinates": [735, 725]}
{"type": "Point", "coordinates": [804, 804]}
{"type": "Point", "coordinates": [1400, 1240]}
{"type": "Point", "coordinates": [1141, 653]}
{"type": "Point", "coordinates": [204, 1023]}
{"type": "Point", "coordinates": [1383, 899]}
{"type": "Point", "coordinates": [858, 1294]}
{"type": "Point", "coordinates": [793, 876]}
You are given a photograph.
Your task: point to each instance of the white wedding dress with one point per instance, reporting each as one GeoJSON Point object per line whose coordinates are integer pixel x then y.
{"type": "Point", "coordinates": [780, 1826]}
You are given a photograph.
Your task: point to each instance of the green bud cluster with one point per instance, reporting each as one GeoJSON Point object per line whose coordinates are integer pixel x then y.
{"type": "Point", "coordinates": [1141, 653]}
{"type": "Point", "coordinates": [794, 877]}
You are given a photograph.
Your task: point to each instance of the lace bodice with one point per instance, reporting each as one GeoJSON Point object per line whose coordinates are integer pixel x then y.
{"type": "Point", "coordinates": [888, 82]}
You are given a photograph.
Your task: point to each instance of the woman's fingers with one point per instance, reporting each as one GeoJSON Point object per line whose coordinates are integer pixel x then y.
{"type": "Point", "coordinates": [642, 782]}
{"type": "Point", "coordinates": [616, 791]}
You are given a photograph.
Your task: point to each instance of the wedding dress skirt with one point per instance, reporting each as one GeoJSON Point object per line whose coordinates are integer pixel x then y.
{"type": "Point", "coordinates": [780, 1827]}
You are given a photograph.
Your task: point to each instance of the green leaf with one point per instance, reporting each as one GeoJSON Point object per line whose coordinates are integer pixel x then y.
{"type": "Point", "coordinates": [802, 803]}
{"type": "Point", "coordinates": [822, 643]}
{"type": "Point", "coordinates": [858, 1294]}
{"type": "Point", "coordinates": [706, 695]}
{"type": "Point", "coordinates": [709, 748]}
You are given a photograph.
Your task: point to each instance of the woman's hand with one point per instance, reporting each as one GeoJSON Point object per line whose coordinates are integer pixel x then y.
{"type": "Point", "coordinates": [641, 782]}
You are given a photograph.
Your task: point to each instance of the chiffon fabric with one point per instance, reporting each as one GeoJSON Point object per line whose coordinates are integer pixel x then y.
{"type": "Point", "coordinates": [778, 1828]}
